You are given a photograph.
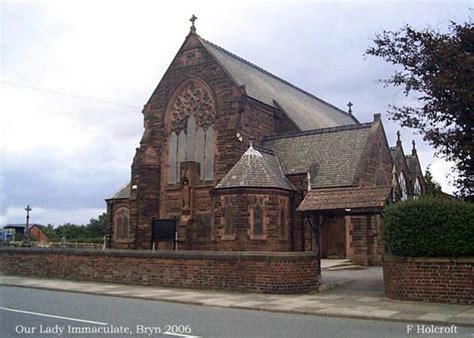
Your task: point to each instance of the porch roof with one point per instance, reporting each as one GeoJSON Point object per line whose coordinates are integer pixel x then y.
{"type": "Point", "coordinates": [345, 198]}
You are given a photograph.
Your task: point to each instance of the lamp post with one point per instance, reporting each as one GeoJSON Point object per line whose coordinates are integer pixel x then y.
{"type": "Point", "coordinates": [27, 230]}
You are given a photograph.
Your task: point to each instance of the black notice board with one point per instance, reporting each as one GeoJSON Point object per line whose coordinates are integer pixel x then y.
{"type": "Point", "coordinates": [163, 230]}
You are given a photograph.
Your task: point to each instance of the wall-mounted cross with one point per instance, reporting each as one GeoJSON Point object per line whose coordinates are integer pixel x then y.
{"type": "Point", "coordinates": [193, 19]}
{"type": "Point", "coordinates": [350, 104]}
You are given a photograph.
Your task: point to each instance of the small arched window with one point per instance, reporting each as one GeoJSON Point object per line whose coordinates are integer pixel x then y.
{"type": "Point", "coordinates": [229, 221]}
{"type": "Point", "coordinates": [257, 221]}
{"type": "Point", "coordinates": [403, 186]}
{"type": "Point", "coordinates": [122, 221]}
{"type": "Point", "coordinates": [283, 222]}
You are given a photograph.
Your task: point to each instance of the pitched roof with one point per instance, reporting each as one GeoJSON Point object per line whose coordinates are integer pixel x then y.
{"type": "Point", "coordinates": [345, 198]}
{"type": "Point", "coordinates": [304, 109]}
{"type": "Point", "coordinates": [337, 152]}
{"type": "Point", "coordinates": [393, 152]}
{"type": "Point", "coordinates": [257, 170]}
{"type": "Point", "coordinates": [412, 163]}
{"type": "Point", "coordinates": [123, 193]}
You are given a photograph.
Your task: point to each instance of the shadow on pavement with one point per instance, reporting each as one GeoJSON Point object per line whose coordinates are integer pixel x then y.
{"type": "Point", "coordinates": [366, 281]}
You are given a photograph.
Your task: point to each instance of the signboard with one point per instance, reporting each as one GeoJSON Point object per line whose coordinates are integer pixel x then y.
{"type": "Point", "coordinates": [163, 230]}
{"type": "Point", "coordinates": [6, 234]}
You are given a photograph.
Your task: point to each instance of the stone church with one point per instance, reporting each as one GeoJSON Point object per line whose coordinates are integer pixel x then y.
{"type": "Point", "coordinates": [240, 159]}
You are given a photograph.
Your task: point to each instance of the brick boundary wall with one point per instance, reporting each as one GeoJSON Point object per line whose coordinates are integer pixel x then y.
{"type": "Point", "coordinates": [263, 272]}
{"type": "Point", "coordinates": [440, 280]}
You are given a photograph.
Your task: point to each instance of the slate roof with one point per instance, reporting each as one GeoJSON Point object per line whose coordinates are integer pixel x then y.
{"type": "Point", "coordinates": [412, 163]}
{"type": "Point", "coordinates": [337, 151]}
{"type": "Point", "coordinates": [123, 193]}
{"type": "Point", "coordinates": [345, 198]}
{"type": "Point", "coordinates": [393, 152]}
{"type": "Point", "coordinates": [304, 109]}
{"type": "Point", "coordinates": [257, 170]}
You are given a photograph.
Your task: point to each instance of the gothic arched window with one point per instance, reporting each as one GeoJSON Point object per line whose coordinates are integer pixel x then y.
{"type": "Point", "coordinates": [192, 131]}
{"type": "Point", "coordinates": [403, 186]}
{"type": "Point", "coordinates": [417, 188]}
{"type": "Point", "coordinates": [122, 221]}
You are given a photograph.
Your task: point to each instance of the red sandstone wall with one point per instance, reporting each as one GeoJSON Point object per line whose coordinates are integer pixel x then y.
{"type": "Point", "coordinates": [440, 280]}
{"type": "Point", "coordinates": [283, 272]}
{"type": "Point", "coordinates": [365, 245]}
{"type": "Point", "coordinates": [375, 167]}
{"type": "Point", "coordinates": [272, 201]}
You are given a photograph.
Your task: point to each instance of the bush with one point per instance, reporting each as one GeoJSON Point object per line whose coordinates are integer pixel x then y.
{"type": "Point", "coordinates": [429, 227]}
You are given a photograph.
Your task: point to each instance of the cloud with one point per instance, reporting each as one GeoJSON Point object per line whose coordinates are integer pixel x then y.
{"type": "Point", "coordinates": [63, 154]}
{"type": "Point", "coordinates": [45, 216]}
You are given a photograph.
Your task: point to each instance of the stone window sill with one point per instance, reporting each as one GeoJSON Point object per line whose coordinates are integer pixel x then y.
{"type": "Point", "coordinates": [258, 238]}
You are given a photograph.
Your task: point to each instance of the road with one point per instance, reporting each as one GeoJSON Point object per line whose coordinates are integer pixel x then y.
{"type": "Point", "coordinates": [25, 310]}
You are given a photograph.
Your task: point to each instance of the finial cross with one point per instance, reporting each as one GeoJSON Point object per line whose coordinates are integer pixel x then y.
{"type": "Point", "coordinates": [193, 19]}
{"type": "Point", "coordinates": [28, 209]}
{"type": "Point", "coordinates": [350, 104]}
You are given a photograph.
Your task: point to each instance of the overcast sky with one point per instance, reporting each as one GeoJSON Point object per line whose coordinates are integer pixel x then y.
{"type": "Point", "coordinates": [63, 154]}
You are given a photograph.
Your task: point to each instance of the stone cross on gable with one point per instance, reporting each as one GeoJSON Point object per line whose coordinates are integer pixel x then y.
{"type": "Point", "coordinates": [350, 104]}
{"type": "Point", "coordinates": [193, 19]}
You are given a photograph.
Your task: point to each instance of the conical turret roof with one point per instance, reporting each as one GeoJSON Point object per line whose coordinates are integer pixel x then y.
{"type": "Point", "coordinates": [256, 169]}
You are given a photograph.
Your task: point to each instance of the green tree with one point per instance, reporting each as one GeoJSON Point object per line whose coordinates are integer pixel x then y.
{"type": "Point", "coordinates": [437, 69]}
{"type": "Point", "coordinates": [433, 188]}
{"type": "Point", "coordinates": [97, 227]}
{"type": "Point", "coordinates": [71, 231]}
{"type": "Point", "coordinates": [51, 233]}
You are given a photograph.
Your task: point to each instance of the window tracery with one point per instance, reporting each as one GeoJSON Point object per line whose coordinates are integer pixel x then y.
{"type": "Point", "coordinates": [192, 131]}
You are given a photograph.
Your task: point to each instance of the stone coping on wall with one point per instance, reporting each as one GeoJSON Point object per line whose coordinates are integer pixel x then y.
{"type": "Point", "coordinates": [399, 259]}
{"type": "Point", "coordinates": [183, 254]}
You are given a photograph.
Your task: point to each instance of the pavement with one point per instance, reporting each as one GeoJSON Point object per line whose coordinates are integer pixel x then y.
{"type": "Point", "coordinates": [347, 302]}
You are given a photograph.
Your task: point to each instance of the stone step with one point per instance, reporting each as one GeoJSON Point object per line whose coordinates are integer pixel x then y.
{"type": "Point", "coordinates": [346, 267]}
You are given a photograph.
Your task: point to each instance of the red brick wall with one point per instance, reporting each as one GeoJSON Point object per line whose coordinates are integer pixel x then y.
{"type": "Point", "coordinates": [442, 280]}
{"type": "Point", "coordinates": [38, 234]}
{"type": "Point", "coordinates": [282, 272]}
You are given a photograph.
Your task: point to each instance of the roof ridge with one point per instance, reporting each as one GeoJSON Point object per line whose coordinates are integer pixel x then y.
{"type": "Point", "coordinates": [319, 131]}
{"type": "Point", "coordinates": [264, 150]}
{"type": "Point", "coordinates": [274, 76]}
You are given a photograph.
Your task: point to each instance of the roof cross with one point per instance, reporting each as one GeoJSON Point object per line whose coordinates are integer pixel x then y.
{"type": "Point", "coordinates": [350, 104]}
{"type": "Point", "coordinates": [193, 19]}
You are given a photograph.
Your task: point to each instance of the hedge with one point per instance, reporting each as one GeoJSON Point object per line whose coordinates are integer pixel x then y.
{"type": "Point", "coordinates": [429, 227]}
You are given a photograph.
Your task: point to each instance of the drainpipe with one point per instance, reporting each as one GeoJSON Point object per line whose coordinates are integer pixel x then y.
{"type": "Point", "coordinates": [292, 222]}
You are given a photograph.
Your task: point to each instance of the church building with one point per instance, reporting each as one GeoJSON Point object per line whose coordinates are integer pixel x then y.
{"type": "Point", "coordinates": [239, 159]}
